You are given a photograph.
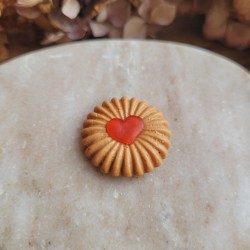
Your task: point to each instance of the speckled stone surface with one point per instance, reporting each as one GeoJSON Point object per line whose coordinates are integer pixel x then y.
{"type": "Point", "coordinates": [52, 198]}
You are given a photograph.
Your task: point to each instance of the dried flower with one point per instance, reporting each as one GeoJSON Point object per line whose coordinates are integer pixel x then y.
{"type": "Point", "coordinates": [28, 3]}
{"type": "Point", "coordinates": [52, 37]}
{"type": "Point", "coordinates": [30, 13]}
{"type": "Point", "coordinates": [74, 28]}
{"type": "Point", "coordinates": [242, 8]}
{"type": "Point", "coordinates": [118, 15]}
{"type": "Point", "coordinates": [221, 26]}
{"type": "Point", "coordinates": [70, 8]}
{"type": "Point", "coordinates": [65, 20]}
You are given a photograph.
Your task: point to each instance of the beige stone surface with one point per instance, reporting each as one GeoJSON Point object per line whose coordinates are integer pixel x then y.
{"type": "Point", "coordinates": [52, 198]}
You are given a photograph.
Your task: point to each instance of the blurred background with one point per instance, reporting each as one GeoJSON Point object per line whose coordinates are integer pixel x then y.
{"type": "Point", "coordinates": [222, 26]}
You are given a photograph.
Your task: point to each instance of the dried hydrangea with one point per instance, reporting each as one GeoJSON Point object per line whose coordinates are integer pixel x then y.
{"type": "Point", "coordinates": [63, 20]}
{"type": "Point", "coordinates": [233, 29]}
{"type": "Point", "coordinates": [122, 18]}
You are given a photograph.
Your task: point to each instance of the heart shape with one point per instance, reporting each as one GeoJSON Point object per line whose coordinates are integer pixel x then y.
{"type": "Point", "coordinates": [125, 131]}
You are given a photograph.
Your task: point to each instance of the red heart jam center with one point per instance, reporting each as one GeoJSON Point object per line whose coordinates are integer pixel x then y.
{"type": "Point", "coordinates": [125, 131]}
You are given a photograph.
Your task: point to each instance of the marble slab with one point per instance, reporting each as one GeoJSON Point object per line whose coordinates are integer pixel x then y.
{"type": "Point", "coordinates": [52, 198]}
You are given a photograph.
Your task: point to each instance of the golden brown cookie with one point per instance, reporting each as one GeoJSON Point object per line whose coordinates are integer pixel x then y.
{"type": "Point", "coordinates": [125, 137]}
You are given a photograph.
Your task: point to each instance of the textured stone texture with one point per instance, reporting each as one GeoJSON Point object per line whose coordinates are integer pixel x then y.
{"type": "Point", "coordinates": [50, 196]}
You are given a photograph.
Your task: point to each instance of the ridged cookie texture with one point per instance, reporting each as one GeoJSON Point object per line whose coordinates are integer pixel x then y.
{"type": "Point", "coordinates": [146, 152]}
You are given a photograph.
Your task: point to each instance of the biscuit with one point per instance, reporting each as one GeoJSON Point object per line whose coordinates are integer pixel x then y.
{"type": "Point", "coordinates": [125, 137]}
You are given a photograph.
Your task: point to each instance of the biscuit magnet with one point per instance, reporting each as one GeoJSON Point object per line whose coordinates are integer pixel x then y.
{"type": "Point", "coordinates": [125, 137]}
